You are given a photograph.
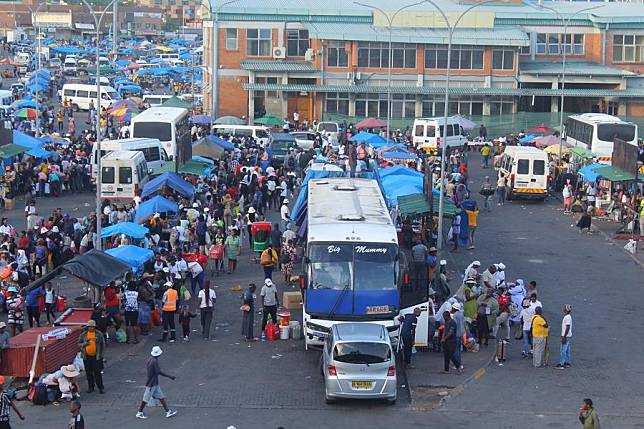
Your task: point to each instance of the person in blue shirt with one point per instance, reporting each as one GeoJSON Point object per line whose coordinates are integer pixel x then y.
{"type": "Point", "coordinates": [32, 302]}
{"type": "Point", "coordinates": [408, 334]}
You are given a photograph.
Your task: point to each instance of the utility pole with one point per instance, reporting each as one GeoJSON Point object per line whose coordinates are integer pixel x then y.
{"type": "Point", "coordinates": [115, 29]}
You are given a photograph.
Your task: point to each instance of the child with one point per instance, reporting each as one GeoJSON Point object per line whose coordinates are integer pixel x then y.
{"type": "Point", "coordinates": [77, 421]}
{"type": "Point", "coordinates": [184, 319]}
{"type": "Point", "coordinates": [50, 303]}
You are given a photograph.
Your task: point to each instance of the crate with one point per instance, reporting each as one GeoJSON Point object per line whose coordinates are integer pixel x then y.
{"type": "Point", "coordinates": [292, 300]}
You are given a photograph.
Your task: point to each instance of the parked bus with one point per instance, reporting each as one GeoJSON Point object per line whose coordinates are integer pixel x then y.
{"type": "Point", "coordinates": [171, 126]}
{"type": "Point", "coordinates": [155, 156]}
{"type": "Point", "coordinates": [597, 131]}
{"type": "Point", "coordinates": [428, 133]}
{"type": "Point", "coordinates": [353, 270]}
{"type": "Point", "coordinates": [123, 175]}
{"type": "Point", "coordinates": [526, 171]}
{"type": "Point", "coordinates": [80, 95]}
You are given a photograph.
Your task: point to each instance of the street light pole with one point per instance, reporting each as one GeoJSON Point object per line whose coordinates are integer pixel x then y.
{"type": "Point", "coordinates": [450, 27]}
{"type": "Point", "coordinates": [390, 22]}
{"type": "Point", "coordinates": [97, 22]}
{"type": "Point", "coordinates": [566, 22]}
{"type": "Point", "coordinates": [214, 59]}
{"type": "Point", "coordinates": [38, 64]}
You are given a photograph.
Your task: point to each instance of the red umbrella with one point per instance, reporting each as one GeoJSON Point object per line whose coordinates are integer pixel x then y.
{"type": "Point", "coordinates": [541, 128]}
{"type": "Point", "coordinates": [371, 123]}
{"type": "Point", "coordinates": [133, 66]}
{"type": "Point", "coordinates": [546, 141]}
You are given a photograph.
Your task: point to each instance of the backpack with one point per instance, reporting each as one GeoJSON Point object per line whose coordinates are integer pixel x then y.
{"type": "Point", "coordinates": [266, 258]}
{"type": "Point", "coordinates": [40, 394]}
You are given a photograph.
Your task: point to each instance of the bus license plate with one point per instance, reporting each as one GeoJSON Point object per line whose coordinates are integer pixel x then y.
{"type": "Point", "coordinates": [378, 309]}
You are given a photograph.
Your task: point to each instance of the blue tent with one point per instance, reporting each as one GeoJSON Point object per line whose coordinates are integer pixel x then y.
{"type": "Point", "coordinates": [396, 185]}
{"type": "Point", "coordinates": [130, 88]}
{"type": "Point", "coordinates": [154, 205]}
{"type": "Point", "coordinates": [22, 139]}
{"type": "Point", "coordinates": [121, 63]}
{"type": "Point", "coordinates": [28, 103]}
{"type": "Point", "coordinates": [226, 145]}
{"type": "Point", "coordinates": [171, 180]}
{"type": "Point", "coordinates": [527, 139]}
{"type": "Point", "coordinates": [398, 155]}
{"type": "Point", "coordinates": [39, 152]}
{"type": "Point", "coordinates": [371, 139]}
{"type": "Point", "coordinates": [128, 228]}
{"type": "Point", "coordinates": [134, 256]}
{"type": "Point", "coordinates": [588, 172]}
{"type": "Point", "coordinates": [399, 170]}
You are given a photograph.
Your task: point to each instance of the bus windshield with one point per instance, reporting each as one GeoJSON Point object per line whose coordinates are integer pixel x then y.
{"type": "Point", "coordinates": [153, 130]}
{"type": "Point", "coordinates": [368, 266]}
{"type": "Point", "coordinates": [608, 132]}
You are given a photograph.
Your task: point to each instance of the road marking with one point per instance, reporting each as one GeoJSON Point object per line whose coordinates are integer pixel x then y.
{"type": "Point", "coordinates": [479, 373]}
{"type": "Point", "coordinates": [522, 238]}
{"type": "Point", "coordinates": [536, 261]}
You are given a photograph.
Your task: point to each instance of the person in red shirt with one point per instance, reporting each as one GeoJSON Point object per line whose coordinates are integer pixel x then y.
{"type": "Point", "coordinates": [503, 317]}
{"type": "Point", "coordinates": [112, 303]}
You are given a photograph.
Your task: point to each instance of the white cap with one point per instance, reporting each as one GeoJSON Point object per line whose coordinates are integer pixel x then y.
{"type": "Point", "coordinates": [443, 262]}
{"type": "Point", "coordinates": [43, 230]}
{"type": "Point", "coordinates": [456, 306]}
{"type": "Point", "coordinates": [476, 263]}
{"type": "Point", "coordinates": [54, 229]}
{"type": "Point", "coordinates": [286, 201]}
{"type": "Point", "coordinates": [156, 351]}
{"type": "Point", "coordinates": [195, 205]}
{"type": "Point", "coordinates": [168, 284]}
{"type": "Point", "coordinates": [500, 266]}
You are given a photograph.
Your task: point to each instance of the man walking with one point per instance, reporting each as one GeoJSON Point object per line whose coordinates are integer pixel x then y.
{"type": "Point", "coordinates": [153, 391]}
{"type": "Point", "coordinates": [539, 338]}
{"type": "Point", "coordinates": [419, 255]}
{"type": "Point", "coordinates": [472, 223]}
{"type": "Point", "coordinates": [459, 319]}
{"type": "Point", "coordinates": [207, 299]}
{"type": "Point", "coordinates": [566, 338]}
{"type": "Point", "coordinates": [269, 302]}
{"type": "Point", "coordinates": [456, 230]}
{"type": "Point", "coordinates": [449, 343]}
{"type": "Point", "coordinates": [408, 334]}
{"type": "Point", "coordinates": [91, 343]}
{"type": "Point", "coordinates": [588, 416]}
{"type": "Point", "coordinates": [268, 260]}
{"type": "Point", "coordinates": [485, 152]}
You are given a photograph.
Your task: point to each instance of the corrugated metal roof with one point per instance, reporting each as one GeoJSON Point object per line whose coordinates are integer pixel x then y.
{"type": "Point", "coordinates": [278, 66]}
{"type": "Point", "coordinates": [573, 68]}
{"type": "Point", "coordinates": [367, 32]}
{"type": "Point", "coordinates": [428, 90]}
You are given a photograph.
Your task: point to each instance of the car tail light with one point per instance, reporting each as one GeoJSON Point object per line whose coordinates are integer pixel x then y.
{"type": "Point", "coordinates": [406, 279]}
{"type": "Point", "coordinates": [332, 370]}
{"type": "Point", "coordinates": [391, 371]}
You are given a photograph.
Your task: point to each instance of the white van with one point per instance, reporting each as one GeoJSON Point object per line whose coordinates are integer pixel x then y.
{"type": "Point", "coordinates": [70, 66]}
{"type": "Point", "coordinates": [152, 149]}
{"type": "Point", "coordinates": [526, 171]}
{"type": "Point", "coordinates": [81, 94]}
{"type": "Point", "coordinates": [261, 134]}
{"type": "Point", "coordinates": [329, 129]}
{"type": "Point", "coordinates": [6, 97]}
{"type": "Point", "coordinates": [22, 58]}
{"type": "Point", "coordinates": [123, 174]}
{"type": "Point", "coordinates": [428, 133]}
{"type": "Point", "coordinates": [156, 100]}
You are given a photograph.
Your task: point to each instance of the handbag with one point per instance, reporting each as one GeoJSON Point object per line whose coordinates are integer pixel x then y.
{"type": "Point", "coordinates": [245, 308]}
{"type": "Point", "coordinates": [216, 252]}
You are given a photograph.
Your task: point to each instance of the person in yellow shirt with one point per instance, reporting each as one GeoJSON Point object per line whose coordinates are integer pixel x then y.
{"type": "Point", "coordinates": [472, 222]}
{"type": "Point", "coordinates": [485, 152]}
{"type": "Point", "coordinates": [539, 339]}
{"type": "Point", "coordinates": [91, 343]}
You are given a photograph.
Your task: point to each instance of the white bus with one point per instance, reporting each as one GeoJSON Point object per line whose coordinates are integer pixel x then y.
{"type": "Point", "coordinates": [171, 125]}
{"type": "Point", "coordinates": [123, 174]}
{"type": "Point", "coordinates": [80, 95]}
{"type": "Point", "coordinates": [526, 171]}
{"type": "Point", "coordinates": [596, 132]}
{"type": "Point", "coordinates": [152, 149]}
{"type": "Point", "coordinates": [428, 133]}
{"type": "Point", "coordinates": [353, 270]}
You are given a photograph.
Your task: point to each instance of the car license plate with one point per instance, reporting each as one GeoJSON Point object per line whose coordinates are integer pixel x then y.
{"type": "Point", "coordinates": [377, 309]}
{"type": "Point", "coordinates": [362, 385]}
{"type": "Point", "coordinates": [521, 185]}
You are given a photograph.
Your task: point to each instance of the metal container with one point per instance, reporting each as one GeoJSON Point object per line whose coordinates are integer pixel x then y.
{"type": "Point", "coordinates": [53, 353]}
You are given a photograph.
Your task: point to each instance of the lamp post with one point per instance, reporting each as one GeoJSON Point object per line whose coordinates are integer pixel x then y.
{"type": "Point", "coordinates": [98, 20]}
{"type": "Point", "coordinates": [390, 21]}
{"type": "Point", "coordinates": [38, 65]}
{"type": "Point", "coordinates": [214, 58]}
{"type": "Point", "coordinates": [450, 28]}
{"type": "Point", "coordinates": [566, 22]}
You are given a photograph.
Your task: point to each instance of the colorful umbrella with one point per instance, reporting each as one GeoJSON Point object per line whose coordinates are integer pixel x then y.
{"type": "Point", "coordinates": [26, 113]}
{"type": "Point", "coordinates": [124, 113]}
{"type": "Point", "coordinates": [547, 141]}
{"type": "Point", "coordinates": [122, 104]}
{"type": "Point", "coordinates": [371, 123]}
{"type": "Point", "coordinates": [541, 128]}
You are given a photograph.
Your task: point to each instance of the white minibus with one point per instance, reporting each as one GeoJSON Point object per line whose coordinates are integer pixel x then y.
{"type": "Point", "coordinates": [80, 95]}
{"type": "Point", "coordinates": [261, 134]}
{"type": "Point", "coordinates": [152, 149]}
{"type": "Point", "coordinates": [123, 174]}
{"type": "Point", "coordinates": [428, 133]}
{"type": "Point", "coordinates": [526, 171]}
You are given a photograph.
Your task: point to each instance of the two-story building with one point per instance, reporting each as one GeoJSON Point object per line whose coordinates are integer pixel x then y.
{"type": "Point", "coordinates": [333, 59]}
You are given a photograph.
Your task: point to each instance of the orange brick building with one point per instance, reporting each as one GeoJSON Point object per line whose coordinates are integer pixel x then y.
{"type": "Point", "coordinates": [279, 56]}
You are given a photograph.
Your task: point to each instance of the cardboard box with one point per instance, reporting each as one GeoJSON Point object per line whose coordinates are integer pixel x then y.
{"type": "Point", "coordinates": [9, 204]}
{"type": "Point", "coordinates": [292, 300]}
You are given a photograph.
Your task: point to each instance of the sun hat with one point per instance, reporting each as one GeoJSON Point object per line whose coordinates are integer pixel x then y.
{"type": "Point", "coordinates": [456, 306]}
{"type": "Point", "coordinates": [433, 249]}
{"type": "Point", "coordinates": [3, 325]}
{"type": "Point", "coordinates": [91, 323]}
{"type": "Point", "coordinates": [470, 281]}
{"type": "Point", "coordinates": [69, 371]}
{"type": "Point", "coordinates": [156, 351]}
{"type": "Point", "coordinates": [500, 266]}
{"type": "Point", "coordinates": [286, 201]}
{"type": "Point", "coordinates": [251, 210]}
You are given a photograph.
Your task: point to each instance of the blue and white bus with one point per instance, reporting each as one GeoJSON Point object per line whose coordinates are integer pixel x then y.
{"type": "Point", "coordinates": [353, 270]}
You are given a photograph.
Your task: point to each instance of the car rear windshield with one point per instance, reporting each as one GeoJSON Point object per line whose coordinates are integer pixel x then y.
{"type": "Point", "coordinates": [362, 352]}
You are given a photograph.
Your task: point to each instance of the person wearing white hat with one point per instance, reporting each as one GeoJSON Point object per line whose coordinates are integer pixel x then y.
{"type": "Point", "coordinates": [285, 215]}
{"type": "Point", "coordinates": [153, 392]}
{"type": "Point", "coordinates": [459, 318]}
{"type": "Point", "coordinates": [64, 382]}
{"type": "Point", "coordinates": [471, 272]}
{"type": "Point", "coordinates": [500, 274]}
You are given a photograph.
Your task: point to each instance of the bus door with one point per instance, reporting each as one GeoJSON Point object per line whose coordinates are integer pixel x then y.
{"type": "Point", "coordinates": [412, 295]}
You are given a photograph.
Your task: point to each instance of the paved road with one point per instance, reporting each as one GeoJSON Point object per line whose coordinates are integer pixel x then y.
{"type": "Point", "coordinates": [266, 385]}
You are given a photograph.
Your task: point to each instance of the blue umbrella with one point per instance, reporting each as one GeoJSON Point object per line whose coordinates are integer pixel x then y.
{"type": "Point", "coordinates": [28, 103]}
{"type": "Point", "coordinates": [37, 88]}
{"type": "Point", "coordinates": [128, 228]}
{"type": "Point", "coordinates": [201, 119]}
{"type": "Point", "coordinates": [157, 204]}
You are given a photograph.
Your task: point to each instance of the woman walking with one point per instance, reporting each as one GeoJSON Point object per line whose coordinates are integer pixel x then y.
{"type": "Point", "coordinates": [232, 248]}
{"type": "Point", "coordinates": [248, 311]}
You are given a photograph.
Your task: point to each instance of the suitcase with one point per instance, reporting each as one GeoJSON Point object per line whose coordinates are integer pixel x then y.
{"type": "Point", "coordinates": [501, 350]}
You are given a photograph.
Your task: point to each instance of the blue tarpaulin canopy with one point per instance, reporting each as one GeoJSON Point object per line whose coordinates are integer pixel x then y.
{"type": "Point", "coordinates": [398, 155]}
{"type": "Point", "coordinates": [588, 172]}
{"type": "Point", "coordinates": [371, 139]}
{"type": "Point", "coordinates": [35, 145]}
{"type": "Point", "coordinates": [156, 204]}
{"type": "Point", "coordinates": [399, 170]}
{"type": "Point", "coordinates": [128, 228]}
{"type": "Point", "coordinates": [226, 145]}
{"type": "Point", "coordinates": [130, 88]}
{"type": "Point", "coordinates": [527, 139]}
{"type": "Point", "coordinates": [134, 256]}
{"type": "Point", "coordinates": [171, 180]}
{"type": "Point", "coordinates": [395, 185]}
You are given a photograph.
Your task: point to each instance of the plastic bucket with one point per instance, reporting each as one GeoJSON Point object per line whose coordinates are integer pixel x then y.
{"type": "Point", "coordinates": [284, 317]}
{"type": "Point", "coordinates": [284, 332]}
{"type": "Point", "coordinates": [295, 329]}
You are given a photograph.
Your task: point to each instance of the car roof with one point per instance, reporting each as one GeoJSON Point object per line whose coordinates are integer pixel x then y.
{"type": "Point", "coordinates": [283, 137]}
{"type": "Point", "coordinates": [360, 332]}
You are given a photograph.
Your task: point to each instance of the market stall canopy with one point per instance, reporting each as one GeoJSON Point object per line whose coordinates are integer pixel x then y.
{"type": "Point", "coordinates": [9, 150]}
{"type": "Point", "coordinates": [35, 145]}
{"type": "Point", "coordinates": [177, 102]}
{"type": "Point", "coordinates": [96, 267]}
{"type": "Point", "coordinates": [547, 141]}
{"type": "Point", "coordinates": [369, 138]}
{"type": "Point", "coordinates": [399, 155]}
{"type": "Point", "coordinates": [582, 152]}
{"type": "Point", "coordinates": [172, 181]}
{"type": "Point", "coordinates": [229, 120]}
{"type": "Point", "coordinates": [126, 228]}
{"type": "Point", "coordinates": [199, 119]}
{"type": "Point", "coordinates": [157, 204]}
{"type": "Point", "coordinates": [413, 204]}
{"type": "Point", "coordinates": [399, 170]}
{"type": "Point", "coordinates": [527, 139]}
{"type": "Point", "coordinates": [613, 174]}
{"type": "Point", "coordinates": [589, 173]}
{"type": "Point", "coordinates": [371, 123]}
{"type": "Point", "coordinates": [541, 129]}
{"type": "Point", "coordinates": [196, 168]}
{"type": "Point", "coordinates": [134, 256]}
{"type": "Point", "coordinates": [554, 149]}
{"type": "Point", "coordinates": [270, 121]}
{"type": "Point", "coordinates": [207, 148]}
{"type": "Point", "coordinates": [225, 144]}
{"type": "Point", "coordinates": [465, 123]}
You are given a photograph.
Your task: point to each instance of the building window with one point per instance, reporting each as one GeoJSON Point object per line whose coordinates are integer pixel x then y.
{"type": "Point", "coordinates": [258, 42]}
{"type": "Point", "coordinates": [336, 55]}
{"type": "Point", "coordinates": [231, 39]}
{"type": "Point", "coordinates": [297, 42]}
{"type": "Point", "coordinates": [502, 59]}
{"type": "Point", "coordinates": [463, 57]}
{"type": "Point", "coordinates": [628, 48]}
{"type": "Point", "coordinates": [337, 102]}
{"type": "Point", "coordinates": [376, 55]}
{"type": "Point", "coordinates": [553, 44]}
{"type": "Point", "coordinates": [403, 106]}
{"type": "Point", "coordinates": [372, 105]}
{"type": "Point", "coordinates": [542, 39]}
{"type": "Point", "coordinates": [434, 106]}
{"type": "Point", "coordinates": [572, 44]}
{"type": "Point", "coordinates": [502, 105]}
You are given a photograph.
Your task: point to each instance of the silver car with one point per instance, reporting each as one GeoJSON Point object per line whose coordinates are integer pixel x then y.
{"type": "Point", "coordinates": [358, 362]}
